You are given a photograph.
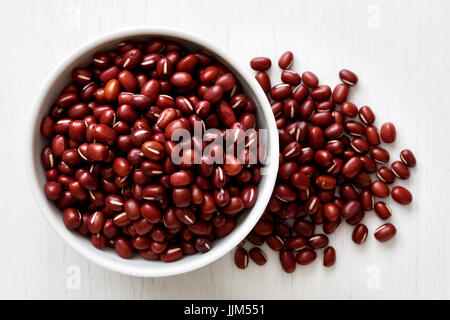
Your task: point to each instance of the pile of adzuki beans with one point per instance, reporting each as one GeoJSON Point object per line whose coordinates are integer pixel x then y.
{"type": "Point", "coordinates": [326, 159]}
{"type": "Point", "coordinates": [108, 161]}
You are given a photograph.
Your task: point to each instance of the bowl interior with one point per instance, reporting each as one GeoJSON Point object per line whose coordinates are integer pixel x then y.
{"type": "Point", "coordinates": [107, 257]}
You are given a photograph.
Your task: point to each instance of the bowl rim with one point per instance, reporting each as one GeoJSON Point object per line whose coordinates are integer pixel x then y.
{"type": "Point", "coordinates": [125, 266]}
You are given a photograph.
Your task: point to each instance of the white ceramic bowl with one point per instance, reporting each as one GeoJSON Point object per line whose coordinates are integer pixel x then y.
{"type": "Point", "coordinates": [108, 258]}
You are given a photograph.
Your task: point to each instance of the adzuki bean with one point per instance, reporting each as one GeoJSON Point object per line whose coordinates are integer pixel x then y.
{"type": "Point", "coordinates": [327, 158]}
{"type": "Point", "coordinates": [111, 163]}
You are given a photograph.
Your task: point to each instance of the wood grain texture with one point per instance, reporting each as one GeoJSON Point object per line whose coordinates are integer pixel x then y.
{"type": "Point", "coordinates": [400, 51]}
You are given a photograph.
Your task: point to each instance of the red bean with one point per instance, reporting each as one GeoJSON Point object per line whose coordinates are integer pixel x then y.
{"type": "Point", "coordinates": [401, 195]}
{"type": "Point", "coordinates": [310, 79]}
{"type": "Point", "coordinates": [249, 194]}
{"type": "Point", "coordinates": [95, 222]}
{"type": "Point", "coordinates": [275, 242]}
{"type": "Point", "coordinates": [380, 155]}
{"type": "Point", "coordinates": [400, 170]}
{"type": "Point", "coordinates": [320, 93]}
{"type": "Point", "coordinates": [287, 260]}
{"type": "Point", "coordinates": [326, 182]}
{"type": "Point", "coordinates": [385, 232]}
{"type": "Point", "coordinates": [318, 241]}
{"type": "Point", "coordinates": [112, 90]}
{"type": "Point", "coordinates": [352, 167]}
{"type": "Point", "coordinates": [260, 63]}
{"type": "Point", "coordinates": [181, 197]}
{"type": "Point", "coordinates": [304, 228]}
{"type": "Point", "coordinates": [289, 77]}
{"type": "Point", "coordinates": [382, 210]}
{"type": "Point", "coordinates": [348, 77]}
{"type": "Point", "coordinates": [408, 158]}
{"type": "Point", "coordinates": [53, 190]}
{"type": "Point", "coordinates": [263, 228]}
{"type": "Point", "coordinates": [305, 256]}
{"type": "Point", "coordinates": [366, 115]}
{"type": "Point", "coordinates": [181, 79]}
{"type": "Point", "coordinates": [296, 243]}
{"type": "Point", "coordinates": [72, 218]}
{"type": "Point", "coordinates": [349, 109]}
{"type": "Point", "coordinates": [153, 150]}
{"type": "Point", "coordinates": [366, 200]}
{"type": "Point", "coordinates": [379, 189]}
{"type": "Point", "coordinates": [281, 91]}
{"type": "Point", "coordinates": [241, 258]}
{"type": "Point", "coordinates": [350, 209]}
{"type": "Point", "coordinates": [286, 60]}
{"type": "Point", "coordinates": [388, 132]}
{"type": "Point", "coordinates": [263, 80]}
{"type": "Point", "coordinates": [97, 151]}
{"type": "Point", "coordinates": [121, 167]}
{"type": "Point", "coordinates": [329, 257]}
{"type": "Point", "coordinates": [385, 175]}
{"type": "Point", "coordinates": [172, 253]}
{"type": "Point", "coordinates": [340, 93]}
{"type": "Point", "coordinates": [258, 256]}
{"type": "Point", "coordinates": [359, 234]}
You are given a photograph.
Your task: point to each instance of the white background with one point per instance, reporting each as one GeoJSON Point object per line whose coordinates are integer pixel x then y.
{"type": "Point", "coordinates": [399, 49]}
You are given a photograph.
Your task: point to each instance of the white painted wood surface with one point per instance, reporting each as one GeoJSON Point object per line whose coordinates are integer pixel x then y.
{"type": "Point", "coordinates": [399, 50]}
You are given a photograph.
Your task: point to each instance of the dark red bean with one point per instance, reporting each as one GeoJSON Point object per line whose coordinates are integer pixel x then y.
{"type": "Point", "coordinates": [329, 257]}
{"type": "Point", "coordinates": [305, 256]}
{"type": "Point", "coordinates": [382, 210]}
{"type": "Point", "coordinates": [340, 93]}
{"type": "Point", "coordinates": [153, 150]}
{"type": "Point", "coordinates": [263, 228]}
{"type": "Point", "coordinates": [379, 155]}
{"type": "Point", "coordinates": [400, 170]}
{"type": "Point", "coordinates": [352, 167]}
{"type": "Point", "coordinates": [359, 234]}
{"type": "Point", "coordinates": [385, 232]}
{"type": "Point", "coordinates": [275, 242]}
{"type": "Point", "coordinates": [366, 115]}
{"type": "Point", "coordinates": [296, 243]}
{"type": "Point", "coordinates": [53, 190]}
{"type": "Point", "coordinates": [310, 79]}
{"type": "Point", "coordinates": [385, 175]}
{"type": "Point", "coordinates": [304, 228]}
{"type": "Point", "coordinates": [379, 189]}
{"type": "Point", "coordinates": [349, 109]}
{"type": "Point", "coordinates": [331, 226]}
{"type": "Point", "coordinates": [408, 158]}
{"type": "Point", "coordinates": [286, 60]}
{"type": "Point", "coordinates": [320, 93]}
{"type": "Point", "coordinates": [264, 81]}
{"type": "Point", "coordinates": [350, 209]}
{"type": "Point", "coordinates": [318, 241]}
{"type": "Point", "coordinates": [71, 218]}
{"type": "Point", "coordinates": [360, 145]}
{"type": "Point", "coordinates": [388, 132]}
{"type": "Point", "coordinates": [366, 200]}
{"type": "Point", "coordinates": [331, 211]}
{"type": "Point", "coordinates": [258, 256]}
{"type": "Point", "coordinates": [95, 222]}
{"type": "Point", "coordinates": [172, 253]}
{"type": "Point", "coordinates": [326, 182]}
{"type": "Point", "coordinates": [290, 77]}
{"type": "Point", "coordinates": [287, 260]}
{"type": "Point", "coordinates": [348, 77]}
{"type": "Point", "coordinates": [281, 91]}
{"type": "Point", "coordinates": [241, 258]}
{"type": "Point", "coordinates": [401, 195]}
{"type": "Point", "coordinates": [354, 128]}
{"type": "Point", "coordinates": [260, 63]}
